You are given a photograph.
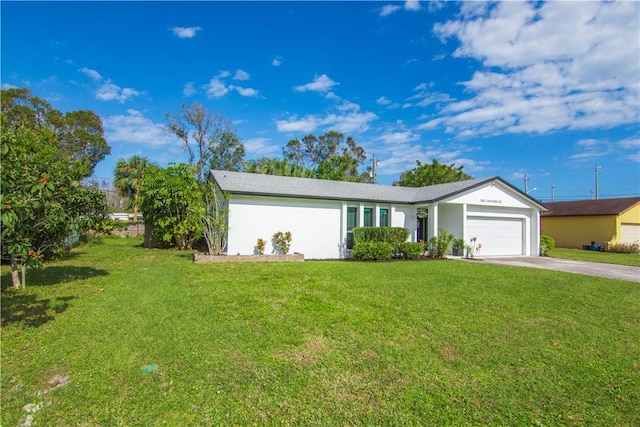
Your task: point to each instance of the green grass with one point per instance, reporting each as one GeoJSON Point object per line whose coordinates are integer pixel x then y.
{"type": "Point", "coordinates": [316, 343]}
{"type": "Point", "coordinates": [595, 256]}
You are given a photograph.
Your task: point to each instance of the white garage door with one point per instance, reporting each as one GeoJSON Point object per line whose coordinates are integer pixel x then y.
{"type": "Point", "coordinates": [499, 236]}
{"type": "Point", "coordinates": [630, 233]}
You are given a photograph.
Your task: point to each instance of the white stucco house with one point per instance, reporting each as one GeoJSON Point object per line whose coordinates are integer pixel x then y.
{"type": "Point", "coordinates": [321, 214]}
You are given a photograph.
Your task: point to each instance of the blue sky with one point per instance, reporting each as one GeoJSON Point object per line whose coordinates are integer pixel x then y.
{"type": "Point", "coordinates": [549, 90]}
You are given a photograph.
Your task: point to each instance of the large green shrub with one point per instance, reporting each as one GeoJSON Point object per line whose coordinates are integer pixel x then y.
{"type": "Point", "coordinates": [411, 250]}
{"type": "Point", "coordinates": [372, 251]}
{"type": "Point", "coordinates": [546, 245]}
{"type": "Point", "coordinates": [391, 235]}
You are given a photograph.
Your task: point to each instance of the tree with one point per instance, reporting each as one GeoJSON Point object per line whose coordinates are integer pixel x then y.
{"type": "Point", "coordinates": [328, 156]}
{"type": "Point", "coordinates": [280, 167]}
{"type": "Point", "coordinates": [431, 174]}
{"type": "Point", "coordinates": [208, 138]}
{"type": "Point", "coordinates": [79, 134]}
{"type": "Point", "coordinates": [128, 179]}
{"type": "Point", "coordinates": [41, 202]}
{"type": "Point", "coordinates": [211, 143]}
{"type": "Point", "coordinates": [172, 204]}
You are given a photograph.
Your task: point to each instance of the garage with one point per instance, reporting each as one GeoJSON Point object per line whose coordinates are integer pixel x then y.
{"type": "Point", "coordinates": [630, 233]}
{"type": "Point", "coordinates": [498, 236]}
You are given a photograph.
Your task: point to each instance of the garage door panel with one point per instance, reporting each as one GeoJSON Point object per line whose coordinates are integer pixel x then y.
{"type": "Point", "coordinates": [630, 233]}
{"type": "Point", "coordinates": [499, 236]}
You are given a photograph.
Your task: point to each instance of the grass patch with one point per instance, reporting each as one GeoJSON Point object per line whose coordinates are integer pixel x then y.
{"type": "Point", "coordinates": [595, 256]}
{"type": "Point", "coordinates": [316, 343]}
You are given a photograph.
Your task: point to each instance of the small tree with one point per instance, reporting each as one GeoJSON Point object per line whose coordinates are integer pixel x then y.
{"type": "Point", "coordinates": [214, 221]}
{"type": "Point", "coordinates": [128, 179]}
{"type": "Point", "coordinates": [281, 242]}
{"type": "Point", "coordinates": [431, 174]}
{"type": "Point", "coordinates": [41, 204]}
{"type": "Point", "coordinates": [172, 204]}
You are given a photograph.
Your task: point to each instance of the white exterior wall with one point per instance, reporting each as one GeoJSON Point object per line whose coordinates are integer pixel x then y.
{"type": "Point", "coordinates": [318, 227]}
{"type": "Point", "coordinates": [405, 216]}
{"type": "Point", "coordinates": [315, 225]}
{"type": "Point", "coordinates": [452, 219]}
{"type": "Point", "coordinates": [495, 200]}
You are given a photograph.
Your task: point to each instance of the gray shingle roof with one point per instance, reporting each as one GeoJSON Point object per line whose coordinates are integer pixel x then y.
{"type": "Point", "coordinates": [270, 185]}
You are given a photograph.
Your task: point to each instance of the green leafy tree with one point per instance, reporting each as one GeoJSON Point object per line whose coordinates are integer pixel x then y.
{"type": "Point", "coordinates": [280, 167]}
{"type": "Point", "coordinates": [80, 139]}
{"type": "Point", "coordinates": [172, 204]}
{"type": "Point", "coordinates": [208, 138]}
{"type": "Point", "coordinates": [128, 179]}
{"type": "Point", "coordinates": [431, 174]}
{"type": "Point", "coordinates": [328, 156]}
{"type": "Point", "coordinates": [41, 202]}
{"type": "Point", "coordinates": [211, 143]}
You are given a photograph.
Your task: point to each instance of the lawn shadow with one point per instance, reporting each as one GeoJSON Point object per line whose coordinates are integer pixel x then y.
{"type": "Point", "coordinates": [19, 308]}
{"type": "Point", "coordinates": [54, 275]}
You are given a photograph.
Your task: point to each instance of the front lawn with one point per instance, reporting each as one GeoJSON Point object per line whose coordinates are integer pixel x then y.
{"type": "Point", "coordinates": [595, 256]}
{"type": "Point", "coordinates": [147, 337]}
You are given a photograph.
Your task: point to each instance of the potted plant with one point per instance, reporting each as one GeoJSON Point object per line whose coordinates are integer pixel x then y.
{"type": "Point", "coordinates": [458, 247]}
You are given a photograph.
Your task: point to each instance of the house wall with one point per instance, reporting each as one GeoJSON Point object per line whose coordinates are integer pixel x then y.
{"type": "Point", "coordinates": [318, 227]}
{"type": "Point", "coordinates": [452, 219]}
{"type": "Point", "coordinates": [576, 231]}
{"type": "Point", "coordinates": [405, 216]}
{"type": "Point", "coordinates": [315, 225]}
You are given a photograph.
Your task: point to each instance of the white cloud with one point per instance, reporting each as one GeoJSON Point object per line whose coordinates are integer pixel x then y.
{"type": "Point", "coordinates": [351, 122]}
{"type": "Point", "coordinates": [134, 128]}
{"type": "Point", "coordinates": [293, 124]}
{"type": "Point", "coordinates": [6, 86]}
{"type": "Point", "coordinates": [319, 84]}
{"type": "Point", "coordinates": [112, 92]}
{"type": "Point", "coordinates": [216, 88]}
{"type": "Point", "coordinates": [398, 137]}
{"type": "Point", "coordinates": [185, 32]}
{"type": "Point", "coordinates": [383, 100]}
{"type": "Point", "coordinates": [260, 147]}
{"type": "Point", "coordinates": [548, 66]}
{"type": "Point", "coordinates": [92, 74]}
{"type": "Point", "coordinates": [389, 9]}
{"type": "Point", "coordinates": [241, 75]}
{"type": "Point", "coordinates": [412, 5]}
{"type": "Point", "coordinates": [276, 62]}
{"type": "Point", "coordinates": [245, 91]}
{"type": "Point", "coordinates": [189, 89]}
{"type": "Point", "coordinates": [630, 144]}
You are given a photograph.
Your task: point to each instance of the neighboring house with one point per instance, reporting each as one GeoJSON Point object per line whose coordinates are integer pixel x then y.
{"type": "Point", "coordinates": [575, 224]}
{"type": "Point", "coordinates": [321, 214]}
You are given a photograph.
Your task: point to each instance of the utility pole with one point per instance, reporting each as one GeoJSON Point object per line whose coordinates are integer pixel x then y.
{"type": "Point", "coordinates": [526, 184]}
{"type": "Point", "coordinates": [374, 163]}
{"type": "Point", "coordinates": [598, 169]}
{"type": "Point", "coordinates": [553, 190]}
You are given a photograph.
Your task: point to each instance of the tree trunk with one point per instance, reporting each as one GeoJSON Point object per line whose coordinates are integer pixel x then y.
{"type": "Point", "coordinates": [15, 278]}
{"type": "Point", "coordinates": [24, 275]}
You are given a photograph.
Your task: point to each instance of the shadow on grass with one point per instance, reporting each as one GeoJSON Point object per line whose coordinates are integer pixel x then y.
{"type": "Point", "coordinates": [22, 308]}
{"type": "Point", "coordinates": [54, 275]}
{"type": "Point", "coordinates": [27, 310]}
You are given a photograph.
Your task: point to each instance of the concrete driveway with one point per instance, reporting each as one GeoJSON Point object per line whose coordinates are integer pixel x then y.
{"type": "Point", "coordinates": [612, 271]}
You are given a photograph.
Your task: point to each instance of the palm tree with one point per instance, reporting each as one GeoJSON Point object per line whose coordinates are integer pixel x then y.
{"type": "Point", "coordinates": [128, 179]}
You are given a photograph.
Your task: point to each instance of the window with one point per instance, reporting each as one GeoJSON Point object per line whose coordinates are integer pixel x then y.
{"type": "Point", "coordinates": [352, 221]}
{"type": "Point", "coordinates": [368, 217]}
{"type": "Point", "coordinates": [384, 217]}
